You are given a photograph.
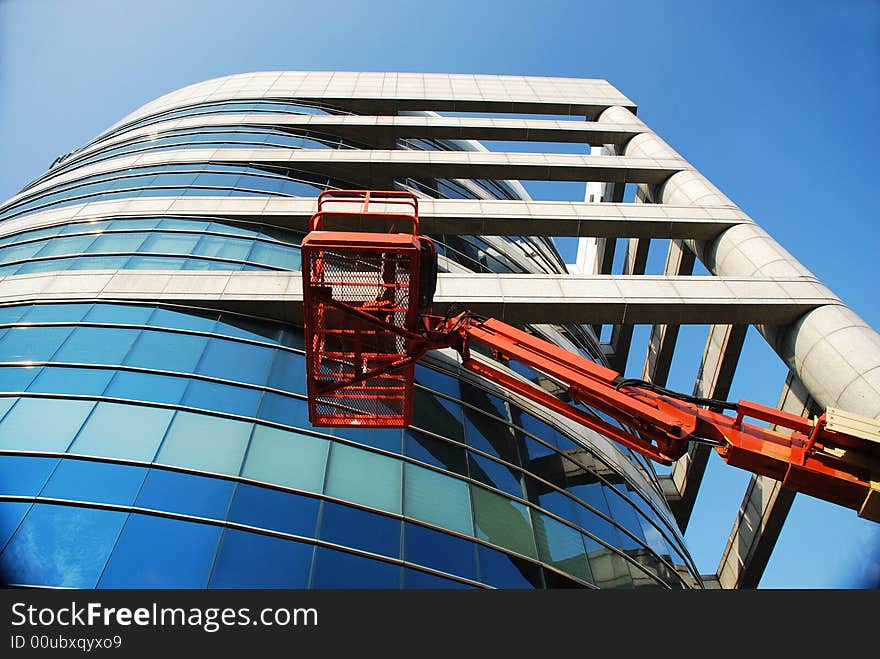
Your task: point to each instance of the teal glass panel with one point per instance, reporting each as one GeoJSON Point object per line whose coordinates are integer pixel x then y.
{"type": "Point", "coordinates": [437, 499]}
{"type": "Point", "coordinates": [364, 477]}
{"type": "Point", "coordinates": [131, 432]}
{"type": "Point", "coordinates": [503, 522]}
{"type": "Point", "coordinates": [561, 546]}
{"type": "Point", "coordinates": [279, 256]}
{"type": "Point", "coordinates": [61, 546]}
{"type": "Point", "coordinates": [96, 345]}
{"type": "Point", "coordinates": [20, 252]}
{"type": "Point", "coordinates": [43, 424]}
{"type": "Point", "coordinates": [167, 351]}
{"type": "Point", "coordinates": [73, 245]}
{"type": "Point", "coordinates": [209, 443]}
{"type": "Point", "coordinates": [287, 458]}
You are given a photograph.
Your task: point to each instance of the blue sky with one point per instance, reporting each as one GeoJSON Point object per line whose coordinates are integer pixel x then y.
{"type": "Point", "coordinates": [776, 107]}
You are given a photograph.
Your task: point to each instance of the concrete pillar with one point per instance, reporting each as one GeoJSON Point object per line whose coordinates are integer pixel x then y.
{"type": "Point", "coordinates": [835, 353]}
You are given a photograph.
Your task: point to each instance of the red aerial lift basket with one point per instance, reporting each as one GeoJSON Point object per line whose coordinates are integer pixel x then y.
{"type": "Point", "coordinates": [361, 307]}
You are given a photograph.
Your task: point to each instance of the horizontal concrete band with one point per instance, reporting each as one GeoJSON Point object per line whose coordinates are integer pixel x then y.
{"type": "Point", "coordinates": [514, 298]}
{"type": "Point", "coordinates": [386, 93]}
{"type": "Point", "coordinates": [363, 166]}
{"type": "Point", "coordinates": [447, 216]}
{"type": "Point", "coordinates": [378, 128]}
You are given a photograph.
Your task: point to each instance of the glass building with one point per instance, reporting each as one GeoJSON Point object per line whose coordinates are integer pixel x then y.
{"type": "Point", "coordinates": [162, 441]}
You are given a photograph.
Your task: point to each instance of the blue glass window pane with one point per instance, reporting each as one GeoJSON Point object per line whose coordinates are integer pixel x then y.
{"type": "Point", "coordinates": [96, 345]}
{"type": "Point", "coordinates": [129, 224]}
{"type": "Point", "coordinates": [56, 313]}
{"type": "Point", "coordinates": [287, 458]}
{"type": "Point", "coordinates": [119, 314]}
{"type": "Point", "coordinates": [12, 314]}
{"type": "Point", "coordinates": [504, 571]}
{"type": "Point", "coordinates": [624, 514]}
{"type": "Point", "coordinates": [418, 579]}
{"type": "Point", "coordinates": [231, 360]}
{"type": "Point", "coordinates": [11, 514]}
{"type": "Point", "coordinates": [222, 398]}
{"type": "Point", "coordinates": [490, 436]}
{"type": "Point", "coordinates": [437, 415]}
{"type": "Point", "coordinates": [60, 380]}
{"type": "Point", "coordinates": [207, 443]}
{"type": "Point", "coordinates": [43, 266]}
{"type": "Point", "coordinates": [232, 325]}
{"type": "Point", "coordinates": [495, 474]}
{"type": "Point", "coordinates": [182, 224]}
{"type": "Point", "coordinates": [593, 494]}
{"type": "Point", "coordinates": [282, 563]}
{"type": "Point", "coordinates": [285, 410]}
{"type": "Point", "coordinates": [166, 351]}
{"type": "Point", "coordinates": [609, 569]}
{"type": "Point", "coordinates": [73, 245]}
{"type": "Point", "coordinates": [192, 320]}
{"type": "Point", "coordinates": [117, 242]}
{"type": "Point", "coordinates": [131, 432]}
{"type": "Point", "coordinates": [172, 491]}
{"type": "Point", "coordinates": [155, 263]}
{"type": "Point", "coordinates": [279, 256]}
{"type": "Point", "coordinates": [24, 476]}
{"type": "Point", "coordinates": [20, 252]}
{"type": "Point", "coordinates": [36, 344]}
{"type": "Point", "coordinates": [364, 477]}
{"type": "Point", "coordinates": [561, 546]}
{"type": "Point", "coordinates": [147, 387]}
{"type": "Point", "coordinates": [289, 372]}
{"type": "Point", "coordinates": [266, 508]}
{"type": "Point", "coordinates": [17, 379]}
{"type": "Point", "coordinates": [336, 569]}
{"type": "Point", "coordinates": [502, 522]}
{"type": "Point", "coordinates": [436, 452]}
{"type": "Point", "coordinates": [84, 480]}
{"type": "Point", "coordinates": [223, 247]}
{"type": "Point", "coordinates": [155, 552]}
{"type": "Point", "coordinates": [94, 263]}
{"type": "Point", "coordinates": [437, 381]}
{"type": "Point", "coordinates": [42, 424]}
{"type": "Point", "coordinates": [350, 527]}
{"type": "Point", "coordinates": [170, 243]}
{"type": "Point", "coordinates": [438, 499]}
{"type": "Point", "coordinates": [440, 551]}
{"type": "Point", "coordinates": [61, 546]}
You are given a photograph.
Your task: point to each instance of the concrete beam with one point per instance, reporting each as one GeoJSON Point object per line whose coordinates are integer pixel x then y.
{"type": "Point", "coordinates": [763, 511]}
{"type": "Point", "coordinates": [526, 298]}
{"type": "Point", "coordinates": [361, 167]}
{"type": "Point", "coordinates": [447, 216]}
{"type": "Point", "coordinates": [389, 93]}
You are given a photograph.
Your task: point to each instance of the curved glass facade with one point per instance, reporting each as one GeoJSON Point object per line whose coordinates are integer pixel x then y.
{"type": "Point", "coordinates": [150, 445]}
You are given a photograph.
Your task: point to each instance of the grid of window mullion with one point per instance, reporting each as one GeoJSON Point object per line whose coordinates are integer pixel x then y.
{"type": "Point", "coordinates": [131, 172]}
{"type": "Point", "coordinates": [119, 149]}
{"type": "Point", "coordinates": [676, 544]}
{"type": "Point", "coordinates": [239, 480]}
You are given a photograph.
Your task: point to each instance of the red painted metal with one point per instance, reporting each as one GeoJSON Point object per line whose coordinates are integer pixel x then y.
{"type": "Point", "coordinates": [360, 296]}
{"type": "Point", "coordinates": [364, 334]}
